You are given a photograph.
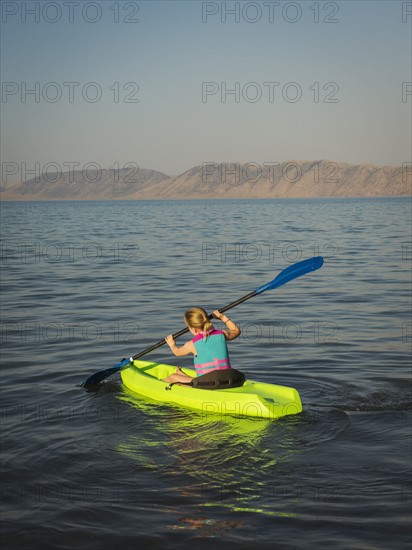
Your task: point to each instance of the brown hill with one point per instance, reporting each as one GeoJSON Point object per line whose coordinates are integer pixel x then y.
{"type": "Point", "coordinates": [290, 179]}
{"type": "Point", "coordinates": [79, 185]}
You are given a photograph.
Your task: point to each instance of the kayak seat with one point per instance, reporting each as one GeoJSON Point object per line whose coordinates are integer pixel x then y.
{"type": "Point", "coordinates": [218, 379]}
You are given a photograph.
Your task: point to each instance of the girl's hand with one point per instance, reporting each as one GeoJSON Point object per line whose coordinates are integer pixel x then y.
{"type": "Point", "coordinates": [170, 340]}
{"type": "Point", "coordinates": [217, 314]}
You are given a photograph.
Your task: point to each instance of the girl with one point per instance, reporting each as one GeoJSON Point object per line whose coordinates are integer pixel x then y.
{"type": "Point", "coordinates": [208, 345]}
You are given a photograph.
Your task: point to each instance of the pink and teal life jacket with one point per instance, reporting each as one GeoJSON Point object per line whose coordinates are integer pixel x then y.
{"type": "Point", "coordinates": [211, 352]}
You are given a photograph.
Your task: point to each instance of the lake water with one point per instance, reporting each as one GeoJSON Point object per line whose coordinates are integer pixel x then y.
{"type": "Point", "coordinates": [85, 284]}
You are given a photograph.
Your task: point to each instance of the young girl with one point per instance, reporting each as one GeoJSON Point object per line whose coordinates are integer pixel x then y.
{"type": "Point", "coordinates": [208, 345]}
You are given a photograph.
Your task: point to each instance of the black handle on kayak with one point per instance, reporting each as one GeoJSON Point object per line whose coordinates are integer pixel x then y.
{"type": "Point", "coordinates": [291, 272]}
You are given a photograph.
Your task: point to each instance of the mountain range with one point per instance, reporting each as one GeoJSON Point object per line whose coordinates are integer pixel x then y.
{"type": "Point", "coordinates": [291, 179]}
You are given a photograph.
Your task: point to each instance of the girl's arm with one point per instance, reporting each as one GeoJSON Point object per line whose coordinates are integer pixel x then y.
{"type": "Point", "coordinates": [232, 330]}
{"type": "Point", "coordinates": [183, 350]}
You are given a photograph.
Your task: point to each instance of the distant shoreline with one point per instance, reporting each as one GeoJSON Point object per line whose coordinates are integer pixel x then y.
{"type": "Point", "coordinates": [217, 199]}
{"type": "Point", "coordinates": [215, 181]}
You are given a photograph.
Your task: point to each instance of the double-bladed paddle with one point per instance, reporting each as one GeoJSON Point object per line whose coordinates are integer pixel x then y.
{"type": "Point", "coordinates": [288, 274]}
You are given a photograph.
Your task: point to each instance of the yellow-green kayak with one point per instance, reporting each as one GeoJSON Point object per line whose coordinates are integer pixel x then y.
{"type": "Point", "coordinates": [254, 398]}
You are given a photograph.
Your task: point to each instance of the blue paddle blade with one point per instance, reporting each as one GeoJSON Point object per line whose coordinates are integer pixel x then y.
{"type": "Point", "coordinates": [101, 375]}
{"type": "Point", "coordinates": [292, 272]}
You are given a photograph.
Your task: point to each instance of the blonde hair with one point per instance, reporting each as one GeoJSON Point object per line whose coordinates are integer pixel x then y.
{"type": "Point", "coordinates": [197, 318]}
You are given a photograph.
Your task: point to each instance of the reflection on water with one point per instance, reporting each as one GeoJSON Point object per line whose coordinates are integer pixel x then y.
{"type": "Point", "coordinates": [237, 463]}
{"type": "Point", "coordinates": [220, 458]}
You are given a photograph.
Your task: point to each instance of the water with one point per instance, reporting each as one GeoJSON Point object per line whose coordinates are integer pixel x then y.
{"type": "Point", "coordinates": [86, 283]}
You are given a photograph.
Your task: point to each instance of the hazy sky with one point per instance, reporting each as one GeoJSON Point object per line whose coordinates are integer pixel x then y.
{"type": "Point", "coordinates": [172, 84]}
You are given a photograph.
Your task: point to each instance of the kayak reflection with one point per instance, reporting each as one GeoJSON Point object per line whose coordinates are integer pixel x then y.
{"type": "Point", "coordinates": [210, 459]}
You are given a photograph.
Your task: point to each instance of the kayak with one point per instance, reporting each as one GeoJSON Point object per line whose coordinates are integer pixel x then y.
{"type": "Point", "coordinates": [254, 399]}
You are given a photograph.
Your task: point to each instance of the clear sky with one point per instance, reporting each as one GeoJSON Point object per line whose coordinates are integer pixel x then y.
{"type": "Point", "coordinates": [172, 84]}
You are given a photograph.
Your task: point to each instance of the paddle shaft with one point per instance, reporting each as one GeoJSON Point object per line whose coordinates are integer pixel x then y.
{"type": "Point", "coordinates": [124, 363]}
{"type": "Point", "coordinates": [288, 274]}
{"type": "Point", "coordinates": [184, 330]}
